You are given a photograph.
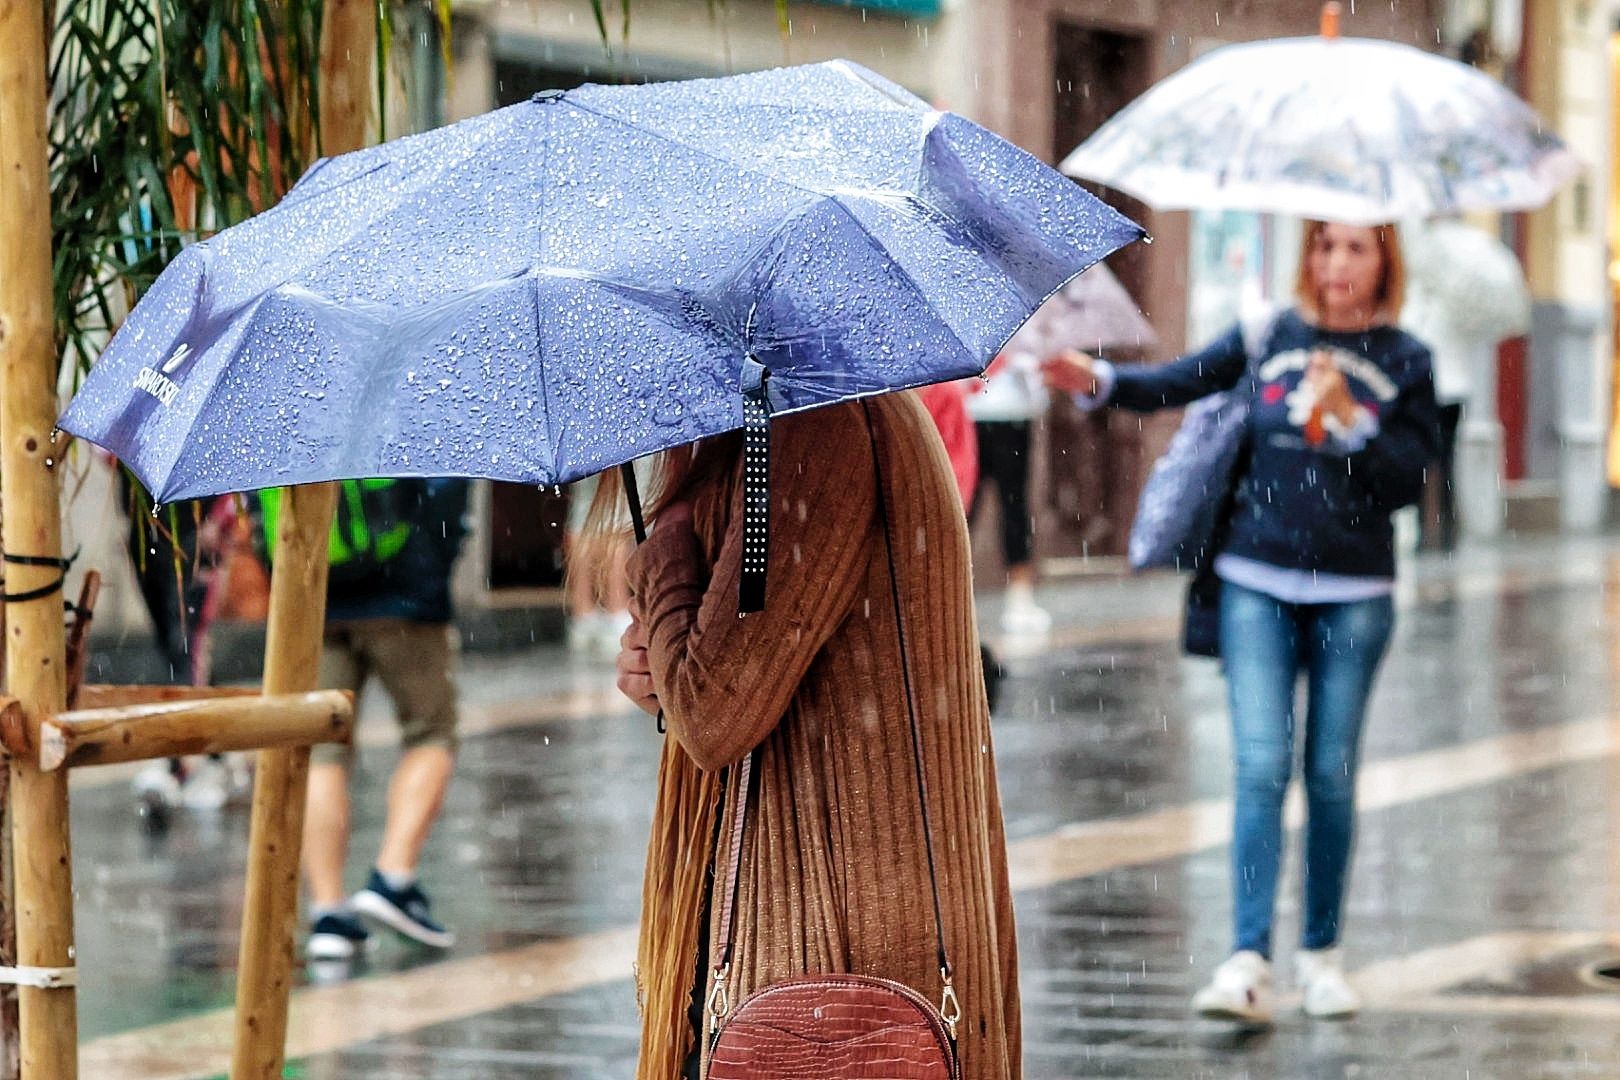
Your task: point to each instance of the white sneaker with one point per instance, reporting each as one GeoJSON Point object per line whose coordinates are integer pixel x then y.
{"type": "Point", "coordinates": [206, 784]}
{"type": "Point", "coordinates": [1239, 990]}
{"type": "Point", "coordinates": [239, 778]}
{"type": "Point", "coordinates": [156, 788]}
{"type": "Point", "coordinates": [1327, 993]}
{"type": "Point", "coordinates": [1021, 615]}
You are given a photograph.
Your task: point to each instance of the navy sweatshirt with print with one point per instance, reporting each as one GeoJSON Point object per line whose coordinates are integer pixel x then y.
{"type": "Point", "coordinates": [1302, 507]}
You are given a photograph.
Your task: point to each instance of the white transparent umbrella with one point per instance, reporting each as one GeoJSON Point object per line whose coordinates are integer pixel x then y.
{"type": "Point", "coordinates": [1343, 129]}
{"type": "Point", "coordinates": [1093, 312]}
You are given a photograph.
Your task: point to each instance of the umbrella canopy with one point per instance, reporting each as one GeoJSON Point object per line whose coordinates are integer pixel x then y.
{"type": "Point", "coordinates": [1093, 313]}
{"type": "Point", "coordinates": [563, 285]}
{"type": "Point", "coordinates": [1351, 130]}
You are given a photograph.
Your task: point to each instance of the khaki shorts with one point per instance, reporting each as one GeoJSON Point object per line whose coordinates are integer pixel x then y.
{"type": "Point", "coordinates": [412, 659]}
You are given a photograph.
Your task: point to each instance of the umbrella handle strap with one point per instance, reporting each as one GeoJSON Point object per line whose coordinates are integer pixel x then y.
{"type": "Point", "coordinates": [756, 488]}
{"type": "Point", "coordinates": [638, 521]}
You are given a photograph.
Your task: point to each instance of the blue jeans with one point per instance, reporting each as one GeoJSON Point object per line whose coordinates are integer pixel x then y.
{"type": "Point", "coordinates": [1266, 643]}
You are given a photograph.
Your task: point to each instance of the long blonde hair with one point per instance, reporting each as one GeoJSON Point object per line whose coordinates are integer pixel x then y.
{"type": "Point", "coordinates": [1391, 284]}
{"type": "Point", "coordinates": [685, 815]}
{"type": "Point", "coordinates": [674, 475]}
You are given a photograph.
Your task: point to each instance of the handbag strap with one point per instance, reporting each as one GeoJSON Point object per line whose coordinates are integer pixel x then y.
{"type": "Point", "coordinates": [950, 1009]}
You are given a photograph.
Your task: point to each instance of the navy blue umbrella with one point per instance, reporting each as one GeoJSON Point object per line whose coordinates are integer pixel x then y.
{"type": "Point", "coordinates": [563, 285]}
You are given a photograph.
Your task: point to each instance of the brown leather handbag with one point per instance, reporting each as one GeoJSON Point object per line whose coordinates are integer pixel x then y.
{"type": "Point", "coordinates": [834, 1027]}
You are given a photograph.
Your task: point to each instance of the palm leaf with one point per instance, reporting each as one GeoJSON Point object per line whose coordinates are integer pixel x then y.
{"type": "Point", "coordinates": [169, 119]}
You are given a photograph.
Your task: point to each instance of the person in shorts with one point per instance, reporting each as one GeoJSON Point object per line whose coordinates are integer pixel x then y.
{"type": "Point", "coordinates": [394, 625]}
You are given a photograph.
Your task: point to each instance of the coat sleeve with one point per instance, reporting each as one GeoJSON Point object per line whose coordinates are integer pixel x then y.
{"type": "Point", "coordinates": [1216, 367]}
{"type": "Point", "coordinates": [725, 681]}
{"type": "Point", "coordinates": [1394, 464]}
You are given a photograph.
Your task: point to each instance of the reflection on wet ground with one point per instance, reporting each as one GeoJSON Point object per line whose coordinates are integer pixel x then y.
{"type": "Point", "coordinates": [1488, 874]}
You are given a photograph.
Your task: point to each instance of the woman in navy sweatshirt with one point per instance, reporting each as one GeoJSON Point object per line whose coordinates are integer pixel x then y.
{"type": "Point", "coordinates": [1342, 427]}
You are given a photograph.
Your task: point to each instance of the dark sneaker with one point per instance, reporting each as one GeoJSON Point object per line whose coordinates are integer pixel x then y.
{"type": "Point", "coordinates": [336, 936]}
{"type": "Point", "coordinates": [405, 911]}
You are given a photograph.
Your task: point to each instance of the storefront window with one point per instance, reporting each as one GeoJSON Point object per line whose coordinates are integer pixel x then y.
{"type": "Point", "coordinates": [1226, 271]}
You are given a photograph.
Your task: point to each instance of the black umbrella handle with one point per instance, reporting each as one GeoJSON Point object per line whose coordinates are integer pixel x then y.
{"type": "Point", "coordinates": [632, 495]}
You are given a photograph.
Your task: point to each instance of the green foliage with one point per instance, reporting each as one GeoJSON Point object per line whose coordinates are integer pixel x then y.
{"type": "Point", "coordinates": [169, 119]}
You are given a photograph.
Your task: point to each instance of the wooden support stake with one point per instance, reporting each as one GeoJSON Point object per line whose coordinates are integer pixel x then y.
{"type": "Point", "coordinates": [9, 1065]}
{"type": "Point", "coordinates": [291, 662]}
{"type": "Point", "coordinates": [33, 526]}
{"type": "Point", "coordinates": [175, 729]}
{"type": "Point", "coordinates": [293, 643]}
{"type": "Point", "coordinates": [112, 696]}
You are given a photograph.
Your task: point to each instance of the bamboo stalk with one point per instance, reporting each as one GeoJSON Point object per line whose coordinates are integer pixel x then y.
{"type": "Point", "coordinates": [175, 729]}
{"type": "Point", "coordinates": [293, 639]}
{"type": "Point", "coordinates": [32, 526]}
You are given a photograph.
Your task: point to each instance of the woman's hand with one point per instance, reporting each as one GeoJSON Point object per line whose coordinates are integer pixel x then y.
{"type": "Point", "coordinates": [1071, 372]}
{"type": "Point", "coordinates": [635, 677]}
{"type": "Point", "coordinates": [1327, 385]}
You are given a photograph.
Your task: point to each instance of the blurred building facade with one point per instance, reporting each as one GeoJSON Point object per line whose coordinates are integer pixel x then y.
{"type": "Point", "coordinates": [1555, 390]}
{"type": "Point", "coordinates": [1042, 73]}
{"type": "Point", "coordinates": [1045, 74]}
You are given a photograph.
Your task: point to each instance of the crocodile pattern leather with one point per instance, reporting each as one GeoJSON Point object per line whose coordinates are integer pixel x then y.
{"type": "Point", "coordinates": [833, 1027]}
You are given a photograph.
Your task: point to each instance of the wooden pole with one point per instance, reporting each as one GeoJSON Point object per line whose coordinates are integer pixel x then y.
{"type": "Point", "coordinates": [176, 729]}
{"type": "Point", "coordinates": [111, 696]}
{"type": "Point", "coordinates": [270, 914]}
{"type": "Point", "coordinates": [32, 526]}
{"type": "Point", "coordinates": [293, 643]}
{"type": "Point", "coordinates": [9, 1065]}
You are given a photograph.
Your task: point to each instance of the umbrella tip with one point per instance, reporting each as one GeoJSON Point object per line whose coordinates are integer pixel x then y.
{"type": "Point", "coordinates": [1330, 19]}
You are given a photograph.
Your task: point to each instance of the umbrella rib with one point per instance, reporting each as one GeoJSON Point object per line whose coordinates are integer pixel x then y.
{"type": "Point", "coordinates": [699, 151]}
{"type": "Point", "coordinates": [911, 282]}
{"type": "Point", "coordinates": [553, 438]}
{"type": "Point", "coordinates": [1002, 279]}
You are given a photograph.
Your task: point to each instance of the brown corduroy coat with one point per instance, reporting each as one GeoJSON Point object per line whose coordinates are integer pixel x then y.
{"type": "Point", "coordinates": [834, 874]}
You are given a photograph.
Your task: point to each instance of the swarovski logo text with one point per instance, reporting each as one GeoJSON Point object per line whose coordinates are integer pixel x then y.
{"type": "Point", "coordinates": [180, 354]}
{"type": "Point", "coordinates": [157, 384]}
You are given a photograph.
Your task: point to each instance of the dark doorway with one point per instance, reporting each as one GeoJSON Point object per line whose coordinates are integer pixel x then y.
{"type": "Point", "coordinates": [1097, 73]}
{"type": "Point", "coordinates": [1092, 460]}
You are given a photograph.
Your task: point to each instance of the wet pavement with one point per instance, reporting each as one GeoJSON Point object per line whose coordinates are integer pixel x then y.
{"type": "Point", "coordinates": [1487, 886]}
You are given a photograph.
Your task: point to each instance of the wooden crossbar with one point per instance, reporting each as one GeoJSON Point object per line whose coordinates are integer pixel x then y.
{"type": "Point", "coordinates": [112, 695]}
{"type": "Point", "coordinates": [209, 726]}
